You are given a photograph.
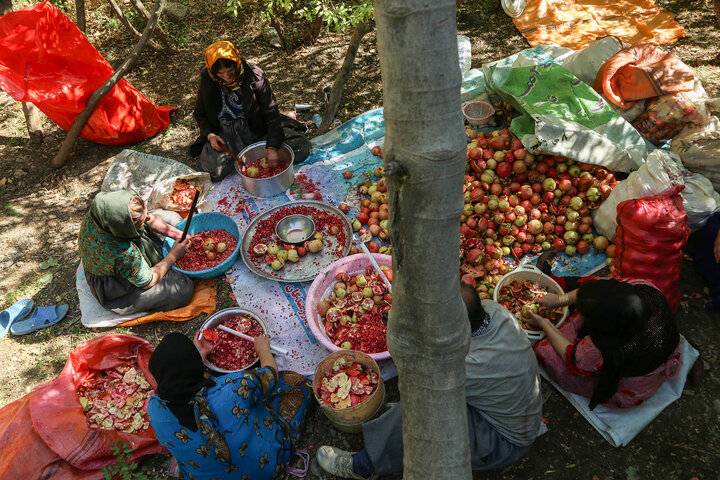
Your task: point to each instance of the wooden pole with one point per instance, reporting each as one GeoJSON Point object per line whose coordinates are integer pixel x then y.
{"type": "Point", "coordinates": [33, 117]}
{"type": "Point", "coordinates": [360, 30]}
{"type": "Point", "coordinates": [129, 26]}
{"type": "Point", "coordinates": [97, 95]}
{"type": "Point", "coordinates": [80, 15]}
{"type": "Point", "coordinates": [159, 33]}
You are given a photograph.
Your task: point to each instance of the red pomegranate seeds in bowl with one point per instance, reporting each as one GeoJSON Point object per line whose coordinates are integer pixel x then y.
{"type": "Point", "coordinates": [231, 353]}
{"type": "Point", "coordinates": [217, 251]}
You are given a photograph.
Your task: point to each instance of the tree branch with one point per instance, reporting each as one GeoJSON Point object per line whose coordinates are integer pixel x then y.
{"type": "Point", "coordinates": [98, 94]}
{"type": "Point", "coordinates": [129, 26]}
{"type": "Point", "coordinates": [360, 30]}
{"type": "Point", "coordinates": [159, 33]}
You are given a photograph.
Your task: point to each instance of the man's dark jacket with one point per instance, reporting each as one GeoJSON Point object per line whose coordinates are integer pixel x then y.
{"type": "Point", "coordinates": [258, 103]}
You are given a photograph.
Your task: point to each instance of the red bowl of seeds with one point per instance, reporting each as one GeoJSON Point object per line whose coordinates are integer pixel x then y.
{"type": "Point", "coordinates": [232, 353]}
{"type": "Point", "coordinates": [369, 334]}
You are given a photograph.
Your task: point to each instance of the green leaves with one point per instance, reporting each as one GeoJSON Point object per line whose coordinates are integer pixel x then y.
{"type": "Point", "coordinates": [123, 468]}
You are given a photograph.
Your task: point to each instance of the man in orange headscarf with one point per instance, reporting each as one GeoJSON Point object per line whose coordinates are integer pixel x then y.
{"type": "Point", "coordinates": [236, 107]}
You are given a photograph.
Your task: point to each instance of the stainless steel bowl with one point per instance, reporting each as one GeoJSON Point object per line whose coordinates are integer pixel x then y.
{"type": "Point", "coordinates": [219, 317]}
{"type": "Point", "coordinates": [266, 187]}
{"type": "Point", "coordinates": [295, 228]}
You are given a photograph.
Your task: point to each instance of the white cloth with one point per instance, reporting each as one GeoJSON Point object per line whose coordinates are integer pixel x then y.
{"type": "Point", "coordinates": [620, 425]}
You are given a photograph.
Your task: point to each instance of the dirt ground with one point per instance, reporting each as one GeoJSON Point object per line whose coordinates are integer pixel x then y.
{"type": "Point", "coordinates": [42, 208]}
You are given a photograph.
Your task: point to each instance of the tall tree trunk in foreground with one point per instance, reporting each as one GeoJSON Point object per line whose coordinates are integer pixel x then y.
{"type": "Point", "coordinates": [97, 95]}
{"type": "Point", "coordinates": [33, 118]}
{"type": "Point", "coordinates": [428, 332]}
{"type": "Point", "coordinates": [337, 89]}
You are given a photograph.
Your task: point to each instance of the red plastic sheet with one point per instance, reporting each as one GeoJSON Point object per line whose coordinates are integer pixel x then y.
{"type": "Point", "coordinates": [46, 60]}
{"type": "Point", "coordinates": [651, 233]}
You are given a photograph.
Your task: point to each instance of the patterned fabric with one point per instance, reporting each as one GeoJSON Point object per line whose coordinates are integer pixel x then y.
{"type": "Point", "coordinates": [104, 255]}
{"type": "Point", "coordinates": [248, 423]}
{"type": "Point", "coordinates": [230, 106]}
{"type": "Point", "coordinates": [582, 361]}
{"type": "Point", "coordinates": [483, 326]}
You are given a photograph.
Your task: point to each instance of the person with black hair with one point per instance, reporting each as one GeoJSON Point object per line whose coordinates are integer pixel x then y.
{"type": "Point", "coordinates": [617, 348]}
{"type": "Point", "coordinates": [504, 404]}
{"type": "Point", "coordinates": [236, 107]}
{"type": "Point", "coordinates": [242, 423]}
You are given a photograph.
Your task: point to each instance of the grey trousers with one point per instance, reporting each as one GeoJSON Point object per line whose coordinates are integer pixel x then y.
{"type": "Point", "coordinates": [488, 449]}
{"type": "Point", "coordinates": [120, 296]}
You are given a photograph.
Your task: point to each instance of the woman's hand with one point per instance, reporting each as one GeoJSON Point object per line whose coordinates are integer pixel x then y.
{"type": "Point", "coordinates": [203, 346]}
{"type": "Point", "coordinates": [272, 157]}
{"type": "Point", "coordinates": [535, 320]}
{"type": "Point", "coordinates": [179, 249]}
{"type": "Point", "coordinates": [216, 142]}
{"type": "Point", "coordinates": [262, 344]}
{"type": "Point", "coordinates": [549, 300]}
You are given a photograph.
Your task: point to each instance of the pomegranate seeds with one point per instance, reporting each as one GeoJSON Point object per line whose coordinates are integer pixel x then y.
{"type": "Point", "coordinates": [198, 257]}
{"type": "Point", "coordinates": [183, 193]}
{"type": "Point", "coordinates": [116, 399]}
{"type": "Point", "coordinates": [353, 313]}
{"type": "Point", "coordinates": [347, 385]}
{"type": "Point", "coordinates": [261, 169]}
{"type": "Point", "coordinates": [232, 352]}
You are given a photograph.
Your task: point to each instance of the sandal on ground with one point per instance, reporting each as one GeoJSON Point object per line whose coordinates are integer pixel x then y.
{"type": "Point", "coordinates": [17, 311]}
{"type": "Point", "coordinates": [42, 317]}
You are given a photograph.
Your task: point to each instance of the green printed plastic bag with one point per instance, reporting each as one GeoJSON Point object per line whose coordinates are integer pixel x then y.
{"type": "Point", "coordinates": [564, 116]}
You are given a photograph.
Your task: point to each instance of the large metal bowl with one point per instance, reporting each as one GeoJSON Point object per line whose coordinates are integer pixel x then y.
{"type": "Point", "coordinates": [219, 317]}
{"type": "Point", "coordinates": [270, 186]}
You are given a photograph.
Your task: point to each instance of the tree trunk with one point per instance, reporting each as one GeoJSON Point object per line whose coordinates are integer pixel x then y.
{"type": "Point", "coordinates": [129, 26]}
{"type": "Point", "coordinates": [360, 30]}
{"type": "Point", "coordinates": [80, 14]}
{"type": "Point", "coordinates": [428, 331]}
{"type": "Point", "coordinates": [33, 118]}
{"type": "Point", "coordinates": [278, 28]}
{"type": "Point", "coordinates": [716, 6]}
{"type": "Point", "coordinates": [98, 94]}
{"type": "Point", "coordinates": [159, 33]}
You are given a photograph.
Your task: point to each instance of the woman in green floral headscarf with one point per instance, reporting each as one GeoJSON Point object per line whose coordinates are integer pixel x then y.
{"type": "Point", "coordinates": [120, 246]}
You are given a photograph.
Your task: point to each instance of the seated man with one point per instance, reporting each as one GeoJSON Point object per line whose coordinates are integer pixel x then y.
{"type": "Point", "coordinates": [236, 107]}
{"type": "Point", "coordinates": [504, 405]}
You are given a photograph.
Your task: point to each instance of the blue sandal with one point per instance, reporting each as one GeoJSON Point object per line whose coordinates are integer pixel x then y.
{"type": "Point", "coordinates": [42, 317]}
{"type": "Point", "coordinates": [17, 311]}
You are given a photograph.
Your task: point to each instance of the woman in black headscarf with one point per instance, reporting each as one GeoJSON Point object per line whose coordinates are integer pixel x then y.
{"type": "Point", "coordinates": [120, 245]}
{"type": "Point", "coordinates": [242, 423]}
{"type": "Point", "coordinates": [617, 348]}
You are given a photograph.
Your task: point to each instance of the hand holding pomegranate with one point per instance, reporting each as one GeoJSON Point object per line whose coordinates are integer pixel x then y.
{"type": "Point", "coordinates": [203, 345]}
{"type": "Point", "coordinates": [550, 301]}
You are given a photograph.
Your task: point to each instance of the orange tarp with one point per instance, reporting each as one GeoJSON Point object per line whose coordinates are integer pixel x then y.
{"type": "Point", "coordinates": [202, 301]}
{"type": "Point", "coordinates": [577, 24]}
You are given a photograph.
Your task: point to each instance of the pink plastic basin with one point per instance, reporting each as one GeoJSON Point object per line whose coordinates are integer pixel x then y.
{"type": "Point", "coordinates": [321, 288]}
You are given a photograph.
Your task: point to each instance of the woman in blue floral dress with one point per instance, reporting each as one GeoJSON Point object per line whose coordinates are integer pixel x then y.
{"type": "Point", "coordinates": [241, 425]}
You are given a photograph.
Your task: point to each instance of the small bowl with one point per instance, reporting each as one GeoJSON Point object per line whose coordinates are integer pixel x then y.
{"type": "Point", "coordinates": [478, 113]}
{"type": "Point", "coordinates": [219, 317]}
{"type": "Point", "coordinates": [295, 228]}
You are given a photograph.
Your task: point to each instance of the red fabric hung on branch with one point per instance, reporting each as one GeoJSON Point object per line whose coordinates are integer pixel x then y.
{"type": "Point", "coordinates": [46, 60]}
{"type": "Point", "coordinates": [651, 233]}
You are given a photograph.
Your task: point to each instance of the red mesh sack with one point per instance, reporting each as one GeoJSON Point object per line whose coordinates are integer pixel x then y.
{"type": "Point", "coordinates": [46, 60]}
{"type": "Point", "coordinates": [651, 233]}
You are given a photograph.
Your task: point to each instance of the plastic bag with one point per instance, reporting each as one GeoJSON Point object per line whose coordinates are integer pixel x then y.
{"type": "Point", "coordinates": [699, 149]}
{"type": "Point", "coordinates": [464, 53]}
{"type": "Point", "coordinates": [45, 433]}
{"type": "Point", "coordinates": [176, 193]}
{"type": "Point", "coordinates": [585, 63]}
{"type": "Point", "coordinates": [660, 174]}
{"type": "Point", "coordinates": [651, 233]}
{"type": "Point", "coordinates": [46, 60]}
{"type": "Point", "coordinates": [58, 417]}
{"type": "Point", "coordinates": [665, 116]}
{"type": "Point", "coordinates": [700, 200]}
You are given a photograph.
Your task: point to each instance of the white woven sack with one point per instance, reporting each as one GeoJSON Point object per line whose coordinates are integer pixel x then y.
{"type": "Point", "coordinates": [700, 200]}
{"type": "Point", "coordinates": [659, 175]}
{"type": "Point", "coordinates": [699, 149]}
